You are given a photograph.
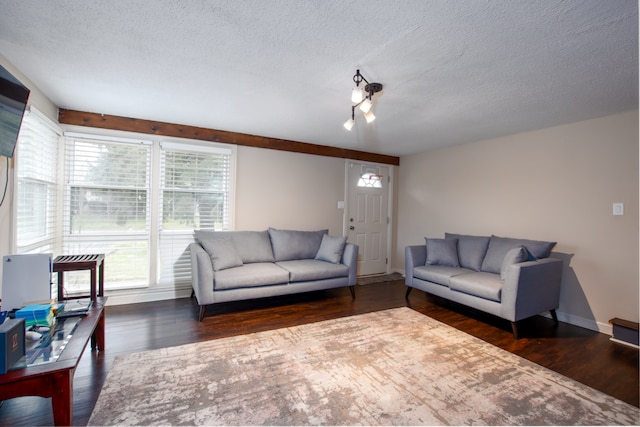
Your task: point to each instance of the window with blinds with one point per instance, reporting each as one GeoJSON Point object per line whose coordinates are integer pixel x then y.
{"type": "Point", "coordinates": [136, 201]}
{"type": "Point", "coordinates": [107, 206]}
{"type": "Point", "coordinates": [195, 189]}
{"type": "Point", "coordinates": [37, 185]}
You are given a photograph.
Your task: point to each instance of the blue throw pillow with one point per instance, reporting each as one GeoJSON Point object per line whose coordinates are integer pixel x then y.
{"type": "Point", "coordinates": [442, 252]}
{"type": "Point", "coordinates": [513, 256]}
{"type": "Point", "coordinates": [331, 248]}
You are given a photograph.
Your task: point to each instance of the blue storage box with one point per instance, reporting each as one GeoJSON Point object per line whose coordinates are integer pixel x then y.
{"type": "Point", "coordinates": [12, 344]}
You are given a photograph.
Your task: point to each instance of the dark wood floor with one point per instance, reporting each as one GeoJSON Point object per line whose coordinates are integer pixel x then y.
{"type": "Point", "coordinates": [581, 354]}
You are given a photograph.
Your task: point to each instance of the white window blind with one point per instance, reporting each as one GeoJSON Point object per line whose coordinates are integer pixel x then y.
{"type": "Point", "coordinates": [37, 185]}
{"type": "Point", "coordinates": [107, 207]}
{"type": "Point", "coordinates": [195, 193]}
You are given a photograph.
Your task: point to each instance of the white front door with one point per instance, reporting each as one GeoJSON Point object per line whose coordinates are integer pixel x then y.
{"type": "Point", "coordinates": [368, 215]}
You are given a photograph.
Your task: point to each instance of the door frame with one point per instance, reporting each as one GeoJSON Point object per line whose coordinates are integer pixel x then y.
{"type": "Point", "coordinates": [390, 205]}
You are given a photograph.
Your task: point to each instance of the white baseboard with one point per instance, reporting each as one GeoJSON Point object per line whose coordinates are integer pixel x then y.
{"type": "Point", "coordinates": [134, 296]}
{"type": "Point", "coordinates": [582, 322]}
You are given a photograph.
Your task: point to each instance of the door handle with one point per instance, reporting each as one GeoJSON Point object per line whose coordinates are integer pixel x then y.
{"type": "Point", "coordinates": [352, 228]}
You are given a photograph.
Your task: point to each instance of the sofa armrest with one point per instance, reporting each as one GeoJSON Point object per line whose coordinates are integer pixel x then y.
{"type": "Point", "coordinates": [531, 287]}
{"type": "Point", "coordinates": [201, 274]}
{"type": "Point", "coordinates": [413, 257]}
{"type": "Point", "coordinates": [350, 259]}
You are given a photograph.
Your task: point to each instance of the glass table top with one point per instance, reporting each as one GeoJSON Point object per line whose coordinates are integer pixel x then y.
{"type": "Point", "coordinates": [50, 346]}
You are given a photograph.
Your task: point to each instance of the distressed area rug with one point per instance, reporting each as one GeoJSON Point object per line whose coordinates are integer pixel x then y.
{"type": "Point", "coordinates": [393, 367]}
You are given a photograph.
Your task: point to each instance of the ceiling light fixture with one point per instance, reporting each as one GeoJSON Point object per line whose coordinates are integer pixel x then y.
{"type": "Point", "coordinates": [361, 100]}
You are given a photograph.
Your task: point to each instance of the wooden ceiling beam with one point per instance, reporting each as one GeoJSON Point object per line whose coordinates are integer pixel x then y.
{"type": "Point", "coordinates": [104, 121]}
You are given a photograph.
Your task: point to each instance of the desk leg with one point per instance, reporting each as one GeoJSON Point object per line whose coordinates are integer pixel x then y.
{"type": "Point", "coordinates": [97, 339]}
{"type": "Point", "coordinates": [62, 397]}
{"type": "Point", "coordinates": [60, 286]}
{"type": "Point", "coordinates": [101, 279]}
{"type": "Point", "coordinates": [93, 284]}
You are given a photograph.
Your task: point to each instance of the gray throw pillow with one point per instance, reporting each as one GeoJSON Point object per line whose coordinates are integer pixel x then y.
{"type": "Point", "coordinates": [442, 252]}
{"type": "Point", "coordinates": [331, 248]}
{"type": "Point", "coordinates": [222, 252]}
{"type": "Point", "coordinates": [499, 246]}
{"type": "Point", "coordinates": [292, 244]}
{"type": "Point", "coordinates": [513, 256]}
{"type": "Point", "coordinates": [471, 249]}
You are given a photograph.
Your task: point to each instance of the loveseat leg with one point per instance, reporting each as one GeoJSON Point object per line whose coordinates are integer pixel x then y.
{"type": "Point", "coordinates": [554, 316]}
{"type": "Point", "coordinates": [409, 289]}
{"type": "Point", "coordinates": [203, 308]}
{"type": "Point", "coordinates": [352, 289]}
{"type": "Point", "coordinates": [514, 327]}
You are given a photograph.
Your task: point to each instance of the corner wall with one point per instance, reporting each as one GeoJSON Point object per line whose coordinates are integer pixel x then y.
{"type": "Point", "coordinates": [556, 184]}
{"type": "Point", "coordinates": [45, 106]}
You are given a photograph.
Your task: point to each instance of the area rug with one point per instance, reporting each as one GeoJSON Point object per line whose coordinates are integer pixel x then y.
{"type": "Point", "coordinates": [393, 367]}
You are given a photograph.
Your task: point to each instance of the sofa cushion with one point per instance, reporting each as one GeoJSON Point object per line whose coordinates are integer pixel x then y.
{"type": "Point", "coordinates": [250, 275]}
{"type": "Point", "coordinates": [471, 249]}
{"type": "Point", "coordinates": [331, 248]}
{"type": "Point", "coordinates": [222, 252]}
{"type": "Point", "coordinates": [499, 246]}
{"type": "Point", "coordinates": [292, 244]}
{"type": "Point", "coordinates": [479, 284]}
{"type": "Point", "coordinates": [313, 269]}
{"type": "Point", "coordinates": [514, 256]}
{"type": "Point", "coordinates": [442, 252]}
{"type": "Point", "coordinates": [251, 246]}
{"type": "Point", "coordinates": [439, 274]}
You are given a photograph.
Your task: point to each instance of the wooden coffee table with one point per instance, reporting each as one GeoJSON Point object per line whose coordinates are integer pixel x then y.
{"type": "Point", "coordinates": [55, 379]}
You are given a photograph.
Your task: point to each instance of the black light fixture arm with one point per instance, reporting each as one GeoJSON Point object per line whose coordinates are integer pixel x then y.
{"type": "Point", "coordinates": [359, 78]}
{"type": "Point", "coordinates": [370, 88]}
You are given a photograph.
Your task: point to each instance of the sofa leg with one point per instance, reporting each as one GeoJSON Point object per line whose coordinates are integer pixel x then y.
{"type": "Point", "coordinates": [193, 292]}
{"type": "Point", "coordinates": [203, 308]}
{"type": "Point", "coordinates": [554, 316]}
{"type": "Point", "coordinates": [514, 327]}
{"type": "Point", "coordinates": [352, 289]}
{"type": "Point", "coordinates": [409, 289]}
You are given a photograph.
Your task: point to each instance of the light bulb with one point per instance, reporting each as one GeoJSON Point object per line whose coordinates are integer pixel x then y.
{"type": "Point", "coordinates": [349, 124]}
{"type": "Point", "coordinates": [369, 116]}
{"type": "Point", "coordinates": [366, 105]}
{"type": "Point", "coordinates": [357, 94]}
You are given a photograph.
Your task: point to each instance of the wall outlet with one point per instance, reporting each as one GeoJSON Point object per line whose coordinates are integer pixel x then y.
{"type": "Point", "coordinates": [618, 208]}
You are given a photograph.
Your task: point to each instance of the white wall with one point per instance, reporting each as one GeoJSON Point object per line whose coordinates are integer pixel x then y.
{"type": "Point", "coordinates": [288, 190]}
{"type": "Point", "coordinates": [556, 184]}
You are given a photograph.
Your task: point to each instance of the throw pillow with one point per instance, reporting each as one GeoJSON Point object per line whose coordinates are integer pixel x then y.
{"type": "Point", "coordinates": [442, 252]}
{"type": "Point", "coordinates": [293, 244]}
{"type": "Point", "coordinates": [499, 246]}
{"type": "Point", "coordinates": [222, 252]}
{"type": "Point", "coordinates": [331, 248]}
{"type": "Point", "coordinates": [513, 256]}
{"type": "Point", "coordinates": [471, 249]}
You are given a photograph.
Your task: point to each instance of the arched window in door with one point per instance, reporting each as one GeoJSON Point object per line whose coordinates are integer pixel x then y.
{"type": "Point", "coordinates": [370, 180]}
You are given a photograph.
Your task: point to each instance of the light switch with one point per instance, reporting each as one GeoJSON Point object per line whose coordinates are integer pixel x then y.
{"type": "Point", "coordinates": [618, 208]}
{"type": "Point", "coordinates": [340, 205]}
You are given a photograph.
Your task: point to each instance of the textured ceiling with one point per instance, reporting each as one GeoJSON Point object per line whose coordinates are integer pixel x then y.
{"type": "Point", "coordinates": [453, 71]}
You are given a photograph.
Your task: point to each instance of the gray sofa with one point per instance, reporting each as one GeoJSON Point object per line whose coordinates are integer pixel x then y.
{"type": "Point", "coordinates": [506, 277]}
{"type": "Point", "coordinates": [239, 265]}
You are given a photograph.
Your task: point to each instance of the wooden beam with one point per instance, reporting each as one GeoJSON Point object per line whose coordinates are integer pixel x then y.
{"type": "Point", "coordinates": [104, 121]}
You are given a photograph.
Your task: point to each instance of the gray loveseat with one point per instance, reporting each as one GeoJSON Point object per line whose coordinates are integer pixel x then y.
{"type": "Point", "coordinates": [509, 278]}
{"type": "Point", "coordinates": [239, 265]}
